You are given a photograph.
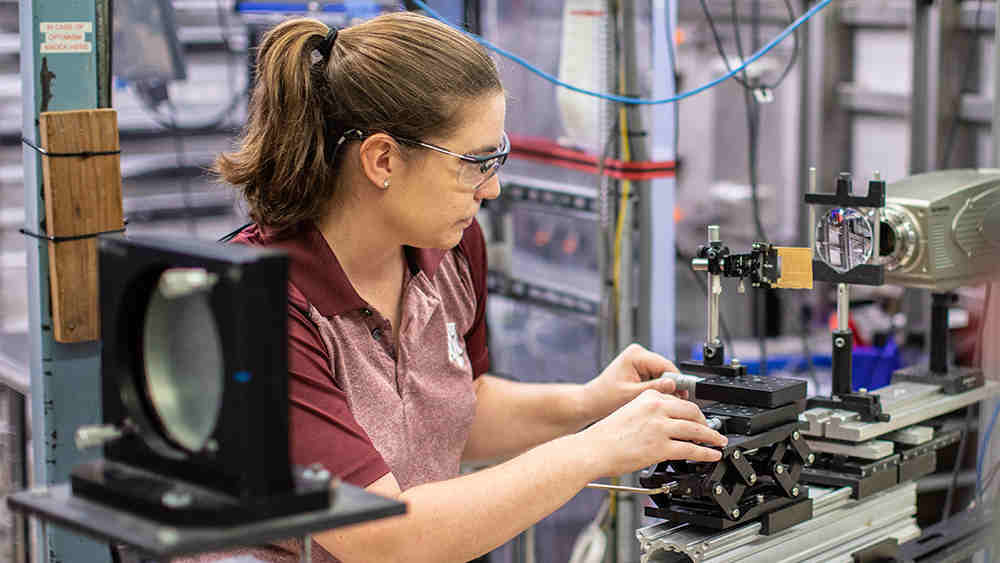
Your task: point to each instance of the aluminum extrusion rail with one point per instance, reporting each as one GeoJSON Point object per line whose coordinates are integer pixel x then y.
{"type": "Point", "coordinates": [838, 528]}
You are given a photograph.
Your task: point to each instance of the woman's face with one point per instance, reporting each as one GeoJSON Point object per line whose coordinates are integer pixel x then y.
{"type": "Point", "coordinates": [431, 200]}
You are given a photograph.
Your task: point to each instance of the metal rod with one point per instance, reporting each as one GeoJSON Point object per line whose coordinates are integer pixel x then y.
{"type": "Point", "coordinates": [843, 307]}
{"type": "Point", "coordinates": [307, 548]}
{"type": "Point", "coordinates": [714, 291]}
{"type": "Point", "coordinates": [634, 490]}
{"type": "Point", "coordinates": [876, 225]}
{"type": "Point", "coordinates": [812, 209]}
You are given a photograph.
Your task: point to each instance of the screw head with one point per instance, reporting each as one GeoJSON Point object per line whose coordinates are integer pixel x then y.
{"type": "Point", "coordinates": [779, 469]}
{"type": "Point", "coordinates": [719, 490]}
{"type": "Point", "coordinates": [735, 513]}
{"type": "Point", "coordinates": [811, 459]}
{"type": "Point", "coordinates": [177, 499]}
{"type": "Point", "coordinates": [760, 499]}
{"type": "Point", "coordinates": [709, 352]}
{"type": "Point", "coordinates": [753, 478]}
{"type": "Point", "coordinates": [167, 536]}
{"type": "Point", "coordinates": [736, 454]}
{"type": "Point", "coordinates": [795, 491]}
{"type": "Point", "coordinates": [839, 342]}
{"type": "Point", "coordinates": [687, 491]}
{"type": "Point", "coordinates": [734, 362]}
{"type": "Point", "coordinates": [796, 435]}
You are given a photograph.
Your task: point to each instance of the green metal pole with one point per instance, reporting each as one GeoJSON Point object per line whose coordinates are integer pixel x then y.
{"type": "Point", "coordinates": [60, 69]}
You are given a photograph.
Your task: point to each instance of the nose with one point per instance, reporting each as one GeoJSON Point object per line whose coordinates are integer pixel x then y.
{"type": "Point", "coordinates": [490, 189]}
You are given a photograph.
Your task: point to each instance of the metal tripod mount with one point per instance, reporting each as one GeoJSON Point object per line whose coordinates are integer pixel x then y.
{"type": "Point", "coordinates": [843, 397]}
{"type": "Point", "coordinates": [765, 266]}
{"type": "Point", "coordinates": [711, 258]}
{"type": "Point", "coordinates": [940, 371]}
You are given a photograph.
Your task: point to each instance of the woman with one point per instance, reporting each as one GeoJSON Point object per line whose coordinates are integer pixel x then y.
{"type": "Point", "coordinates": [367, 154]}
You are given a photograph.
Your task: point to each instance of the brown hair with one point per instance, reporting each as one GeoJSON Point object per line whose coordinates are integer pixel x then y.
{"type": "Point", "coordinates": [401, 73]}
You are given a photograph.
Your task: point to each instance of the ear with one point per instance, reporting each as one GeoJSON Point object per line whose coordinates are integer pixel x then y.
{"type": "Point", "coordinates": [379, 158]}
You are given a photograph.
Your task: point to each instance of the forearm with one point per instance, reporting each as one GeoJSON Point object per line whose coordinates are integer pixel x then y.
{"type": "Point", "coordinates": [463, 518]}
{"type": "Point", "coordinates": [512, 416]}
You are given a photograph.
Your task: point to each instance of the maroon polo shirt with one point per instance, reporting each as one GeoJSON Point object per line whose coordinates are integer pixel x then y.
{"type": "Point", "coordinates": [361, 404]}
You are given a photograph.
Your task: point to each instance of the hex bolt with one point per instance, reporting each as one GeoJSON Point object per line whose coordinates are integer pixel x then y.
{"type": "Point", "coordinates": [779, 469]}
{"type": "Point", "coordinates": [719, 490]}
{"type": "Point", "coordinates": [796, 435]}
{"type": "Point", "coordinates": [795, 491]}
{"type": "Point", "coordinates": [176, 499]}
{"type": "Point", "coordinates": [735, 513]}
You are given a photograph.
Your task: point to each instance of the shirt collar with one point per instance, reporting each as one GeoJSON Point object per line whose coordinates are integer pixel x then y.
{"type": "Point", "coordinates": [315, 270]}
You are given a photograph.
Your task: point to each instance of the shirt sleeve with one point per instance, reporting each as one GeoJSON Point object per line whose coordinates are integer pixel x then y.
{"type": "Point", "coordinates": [323, 428]}
{"type": "Point", "coordinates": [473, 246]}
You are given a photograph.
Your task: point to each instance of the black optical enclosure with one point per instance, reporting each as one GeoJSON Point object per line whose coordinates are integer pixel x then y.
{"type": "Point", "coordinates": [241, 471]}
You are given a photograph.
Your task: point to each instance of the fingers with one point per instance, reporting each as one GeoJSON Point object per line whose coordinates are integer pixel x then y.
{"type": "Point", "coordinates": [649, 365]}
{"type": "Point", "coordinates": [694, 432]}
{"type": "Point", "coordinates": [693, 452]}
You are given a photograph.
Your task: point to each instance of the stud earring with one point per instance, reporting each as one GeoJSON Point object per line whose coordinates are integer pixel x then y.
{"type": "Point", "coordinates": [385, 184]}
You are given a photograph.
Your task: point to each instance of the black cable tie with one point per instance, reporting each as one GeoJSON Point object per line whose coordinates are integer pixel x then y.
{"type": "Point", "coordinates": [55, 239]}
{"type": "Point", "coordinates": [84, 154]}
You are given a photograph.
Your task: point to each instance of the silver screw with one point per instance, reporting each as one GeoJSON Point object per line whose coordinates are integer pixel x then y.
{"type": "Point", "coordinates": [736, 454]}
{"type": "Point", "coordinates": [167, 536]}
{"type": "Point", "coordinates": [709, 352]}
{"type": "Point", "coordinates": [795, 491]}
{"type": "Point", "coordinates": [839, 342]}
{"type": "Point", "coordinates": [719, 489]}
{"type": "Point", "coordinates": [779, 469]}
{"type": "Point", "coordinates": [811, 459]}
{"type": "Point", "coordinates": [736, 513]}
{"type": "Point", "coordinates": [753, 478]}
{"type": "Point", "coordinates": [760, 499]}
{"type": "Point", "coordinates": [177, 499]}
{"type": "Point", "coordinates": [734, 362]}
{"type": "Point", "coordinates": [796, 435]}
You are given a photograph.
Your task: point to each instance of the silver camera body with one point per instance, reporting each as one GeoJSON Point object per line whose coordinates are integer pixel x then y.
{"type": "Point", "coordinates": [941, 230]}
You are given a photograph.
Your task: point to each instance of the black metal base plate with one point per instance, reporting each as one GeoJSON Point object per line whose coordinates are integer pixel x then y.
{"type": "Point", "coordinates": [142, 492]}
{"type": "Point", "coordinates": [58, 505]}
{"type": "Point", "coordinates": [953, 539]}
{"type": "Point", "coordinates": [712, 519]}
{"type": "Point", "coordinates": [751, 390]}
{"type": "Point", "coordinates": [746, 420]}
{"type": "Point", "coordinates": [865, 479]}
{"type": "Point", "coordinates": [957, 380]}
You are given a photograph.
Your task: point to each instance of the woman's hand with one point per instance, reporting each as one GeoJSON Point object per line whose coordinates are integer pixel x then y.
{"type": "Point", "coordinates": [634, 370]}
{"type": "Point", "coordinates": [653, 427]}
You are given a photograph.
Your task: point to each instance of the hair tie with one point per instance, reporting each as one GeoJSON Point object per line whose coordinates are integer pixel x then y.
{"type": "Point", "coordinates": [326, 46]}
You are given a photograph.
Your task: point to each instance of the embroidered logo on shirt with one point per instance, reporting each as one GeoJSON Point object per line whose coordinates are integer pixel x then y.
{"type": "Point", "coordinates": [455, 353]}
